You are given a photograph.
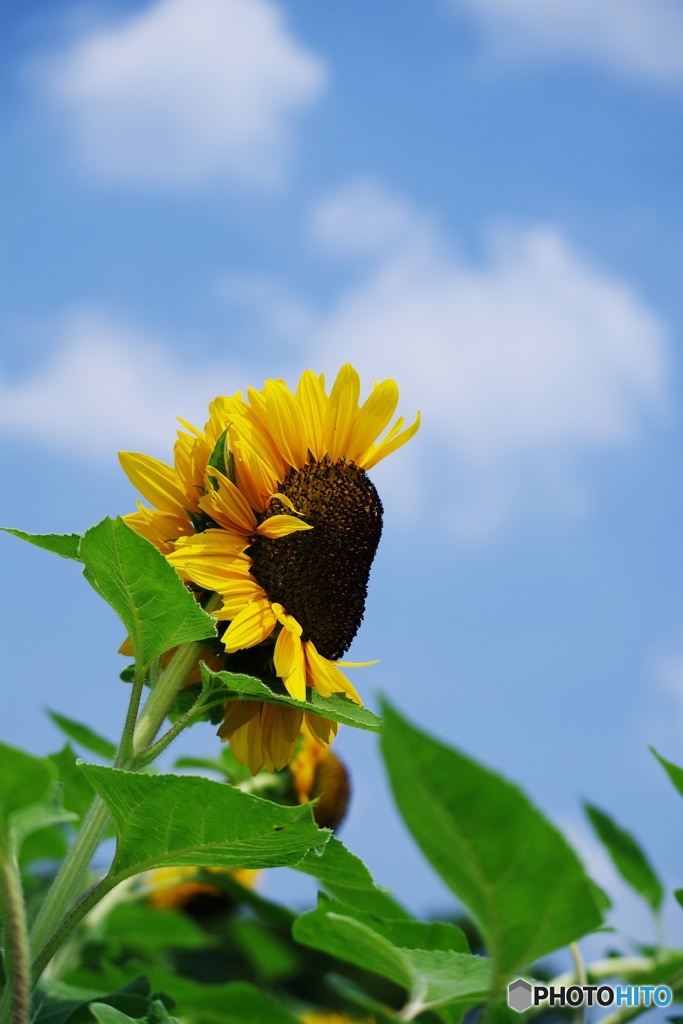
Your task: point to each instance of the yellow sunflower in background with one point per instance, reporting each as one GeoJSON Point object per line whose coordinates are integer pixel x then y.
{"type": "Point", "coordinates": [271, 508]}
{"type": "Point", "coordinates": [175, 888]}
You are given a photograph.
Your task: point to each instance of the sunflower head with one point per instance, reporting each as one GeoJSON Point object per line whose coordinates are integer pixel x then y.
{"type": "Point", "coordinates": [318, 774]}
{"type": "Point", "coordinates": [186, 888]}
{"type": "Point", "coordinates": [271, 508]}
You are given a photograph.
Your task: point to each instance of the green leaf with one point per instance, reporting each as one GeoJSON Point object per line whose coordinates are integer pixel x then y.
{"type": "Point", "coordinates": [157, 1014]}
{"type": "Point", "coordinates": [430, 961]}
{"type": "Point", "coordinates": [175, 820]}
{"type": "Point", "coordinates": [64, 544]}
{"type": "Point", "coordinates": [221, 687]}
{"type": "Point", "coordinates": [84, 735]}
{"type": "Point", "coordinates": [24, 780]}
{"type": "Point", "coordinates": [48, 844]}
{"type": "Point", "coordinates": [57, 1002]}
{"type": "Point", "coordinates": [270, 958]}
{"type": "Point", "coordinates": [491, 846]}
{"type": "Point", "coordinates": [627, 856]}
{"type": "Point", "coordinates": [228, 1003]}
{"type": "Point", "coordinates": [143, 588]}
{"type": "Point", "coordinates": [673, 771]}
{"type": "Point", "coordinates": [345, 876]}
{"type": "Point", "coordinates": [110, 1015]}
{"type": "Point", "coordinates": [376, 1011]}
{"type": "Point", "coordinates": [222, 458]}
{"type": "Point", "coordinates": [33, 819]}
{"type": "Point", "coordinates": [136, 927]}
{"type": "Point", "coordinates": [77, 793]}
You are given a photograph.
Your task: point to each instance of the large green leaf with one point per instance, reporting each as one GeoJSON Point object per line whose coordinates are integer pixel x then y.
{"type": "Point", "coordinates": [77, 793]}
{"type": "Point", "coordinates": [37, 818]}
{"type": "Point", "coordinates": [84, 735]}
{"type": "Point", "coordinates": [672, 770]}
{"type": "Point", "coordinates": [430, 961]}
{"type": "Point", "coordinates": [228, 1003]}
{"type": "Point", "coordinates": [143, 588]}
{"type": "Point", "coordinates": [345, 876]}
{"type": "Point", "coordinates": [221, 687]}
{"type": "Point", "coordinates": [133, 926]}
{"type": "Point", "coordinates": [24, 780]}
{"type": "Point", "coordinates": [175, 820]}
{"type": "Point", "coordinates": [64, 544]}
{"type": "Point", "coordinates": [57, 1002]}
{"type": "Point", "coordinates": [500, 856]}
{"type": "Point", "coordinates": [627, 856]}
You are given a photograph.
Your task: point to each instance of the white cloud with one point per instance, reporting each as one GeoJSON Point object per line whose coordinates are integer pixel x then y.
{"type": "Point", "coordinates": [109, 388]}
{"type": "Point", "coordinates": [523, 362]}
{"type": "Point", "coordinates": [364, 219]}
{"type": "Point", "coordinates": [266, 299]}
{"type": "Point", "coordinates": [519, 360]}
{"type": "Point", "coordinates": [184, 91]}
{"type": "Point", "coordinates": [639, 37]}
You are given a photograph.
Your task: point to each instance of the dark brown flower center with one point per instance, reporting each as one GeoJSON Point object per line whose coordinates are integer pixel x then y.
{"type": "Point", "coordinates": [320, 576]}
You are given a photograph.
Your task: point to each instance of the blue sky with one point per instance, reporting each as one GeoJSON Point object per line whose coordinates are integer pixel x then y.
{"type": "Point", "coordinates": [480, 198]}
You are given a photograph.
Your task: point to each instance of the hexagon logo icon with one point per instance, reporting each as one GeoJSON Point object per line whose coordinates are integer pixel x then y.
{"type": "Point", "coordinates": [519, 995]}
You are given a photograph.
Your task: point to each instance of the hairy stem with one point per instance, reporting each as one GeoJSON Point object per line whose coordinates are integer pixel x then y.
{"type": "Point", "coordinates": [80, 908]}
{"type": "Point", "coordinates": [16, 1006]}
{"type": "Point", "coordinates": [56, 918]}
{"type": "Point", "coordinates": [580, 969]}
{"type": "Point", "coordinates": [124, 754]}
{"type": "Point", "coordinates": [71, 874]}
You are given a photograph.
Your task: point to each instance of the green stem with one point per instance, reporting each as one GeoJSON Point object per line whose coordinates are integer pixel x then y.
{"type": "Point", "coordinates": [580, 969]}
{"type": "Point", "coordinates": [125, 751]}
{"type": "Point", "coordinates": [15, 1008]}
{"type": "Point", "coordinates": [71, 875]}
{"type": "Point", "coordinates": [151, 753]}
{"type": "Point", "coordinates": [166, 688]}
{"type": "Point", "coordinates": [610, 967]}
{"type": "Point", "coordinates": [48, 929]}
{"type": "Point", "coordinates": [85, 902]}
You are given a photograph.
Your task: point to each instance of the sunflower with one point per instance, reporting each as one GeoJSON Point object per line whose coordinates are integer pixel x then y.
{"type": "Point", "coordinates": [318, 774]}
{"type": "Point", "coordinates": [175, 888]}
{"type": "Point", "coordinates": [271, 508]}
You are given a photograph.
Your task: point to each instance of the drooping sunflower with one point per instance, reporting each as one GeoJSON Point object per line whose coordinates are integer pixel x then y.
{"type": "Point", "coordinates": [271, 508]}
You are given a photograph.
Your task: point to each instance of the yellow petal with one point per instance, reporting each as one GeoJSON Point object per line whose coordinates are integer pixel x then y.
{"type": "Point", "coordinates": [290, 664]}
{"type": "Point", "coordinates": [237, 713]}
{"type": "Point", "coordinates": [228, 506]}
{"type": "Point", "coordinates": [255, 753]}
{"type": "Point", "coordinates": [253, 624]}
{"type": "Point", "coordinates": [373, 417]}
{"type": "Point", "coordinates": [236, 595]}
{"type": "Point", "coordinates": [156, 481]}
{"type": "Point", "coordinates": [323, 730]}
{"type": "Point", "coordinates": [312, 401]}
{"type": "Point", "coordinates": [342, 410]}
{"type": "Point", "coordinates": [281, 526]}
{"type": "Point", "coordinates": [213, 559]}
{"type": "Point", "coordinates": [239, 743]}
{"type": "Point", "coordinates": [357, 664]}
{"type": "Point", "coordinates": [291, 719]}
{"type": "Point", "coordinates": [378, 452]}
{"type": "Point", "coordinates": [325, 675]}
{"type": "Point", "coordinates": [161, 528]}
{"type": "Point", "coordinates": [285, 501]}
{"type": "Point", "coordinates": [284, 423]}
{"type": "Point", "coordinates": [254, 476]}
